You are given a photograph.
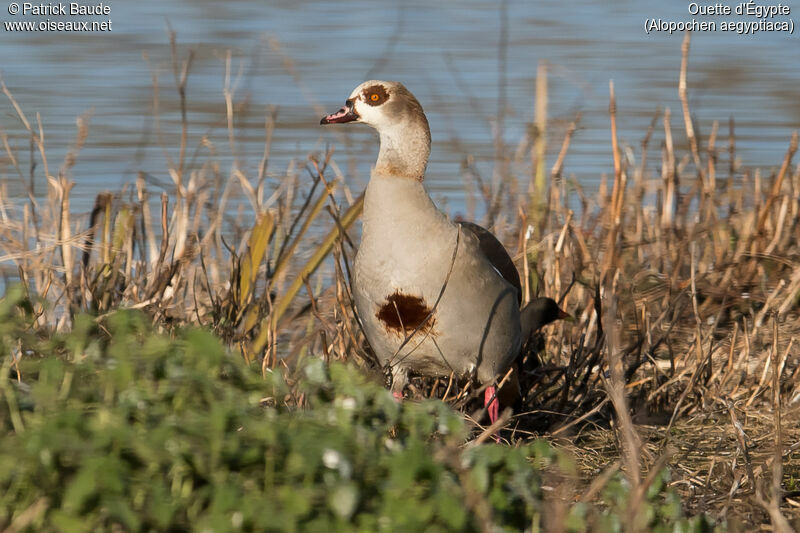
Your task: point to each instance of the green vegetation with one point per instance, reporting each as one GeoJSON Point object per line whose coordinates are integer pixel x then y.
{"type": "Point", "coordinates": [116, 425]}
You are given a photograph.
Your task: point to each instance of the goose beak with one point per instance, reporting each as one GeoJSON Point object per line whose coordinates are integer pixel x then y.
{"type": "Point", "coordinates": [345, 114]}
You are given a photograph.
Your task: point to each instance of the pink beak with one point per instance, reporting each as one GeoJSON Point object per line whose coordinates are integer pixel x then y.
{"type": "Point", "coordinates": [345, 114]}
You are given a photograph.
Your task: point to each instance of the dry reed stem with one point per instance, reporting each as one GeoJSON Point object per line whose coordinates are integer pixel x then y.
{"type": "Point", "coordinates": [311, 265]}
{"type": "Point", "coordinates": [778, 183]}
{"type": "Point", "coordinates": [779, 522]}
{"type": "Point", "coordinates": [668, 175]}
{"type": "Point", "coordinates": [687, 116]}
{"type": "Point", "coordinates": [617, 192]}
{"type": "Point", "coordinates": [539, 148]}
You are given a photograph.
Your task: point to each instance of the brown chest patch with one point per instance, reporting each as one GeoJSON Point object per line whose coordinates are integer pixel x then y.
{"type": "Point", "coordinates": [405, 314]}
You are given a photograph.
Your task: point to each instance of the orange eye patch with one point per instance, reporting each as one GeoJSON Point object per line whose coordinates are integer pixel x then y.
{"type": "Point", "coordinates": [374, 97]}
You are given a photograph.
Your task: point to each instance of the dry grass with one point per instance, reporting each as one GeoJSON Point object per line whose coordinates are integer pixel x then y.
{"type": "Point", "coordinates": [684, 287]}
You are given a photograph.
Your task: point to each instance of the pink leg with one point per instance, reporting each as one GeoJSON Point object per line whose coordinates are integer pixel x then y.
{"type": "Point", "coordinates": [491, 403]}
{"type": "Point", "coordinates": [399, 381]}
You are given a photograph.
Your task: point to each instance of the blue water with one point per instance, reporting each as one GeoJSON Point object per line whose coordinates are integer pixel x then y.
{"type": "Point", "coordinates": [304, 57]}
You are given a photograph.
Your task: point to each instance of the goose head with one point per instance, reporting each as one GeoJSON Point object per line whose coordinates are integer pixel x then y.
{"type": "Point", "coordinates": [395, 113]}
{"type": "Point", "coordinates": [380, 104]}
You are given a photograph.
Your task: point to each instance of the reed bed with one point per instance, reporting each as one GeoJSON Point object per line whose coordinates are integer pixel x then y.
{"type": "Point", "coordinates": [683, 285]}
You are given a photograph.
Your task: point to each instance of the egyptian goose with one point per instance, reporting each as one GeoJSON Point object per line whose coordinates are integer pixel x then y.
{"type": "Point", "coordinates": [433, 296]}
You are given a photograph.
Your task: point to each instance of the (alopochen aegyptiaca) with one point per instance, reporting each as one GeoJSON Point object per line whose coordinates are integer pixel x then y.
{"type": "Point", "coordinates": [434, 296]}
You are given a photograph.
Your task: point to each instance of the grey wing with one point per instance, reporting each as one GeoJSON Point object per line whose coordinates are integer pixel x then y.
{"type": "Point", "coordinates": [497, 255]}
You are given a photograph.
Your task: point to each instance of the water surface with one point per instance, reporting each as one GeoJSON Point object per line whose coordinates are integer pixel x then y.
{"type": "Point", "coordinates": [468, 63]}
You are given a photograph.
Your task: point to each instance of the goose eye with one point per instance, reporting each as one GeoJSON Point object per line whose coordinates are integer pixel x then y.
{"type": "Point", "coordinates": [375, 95]}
